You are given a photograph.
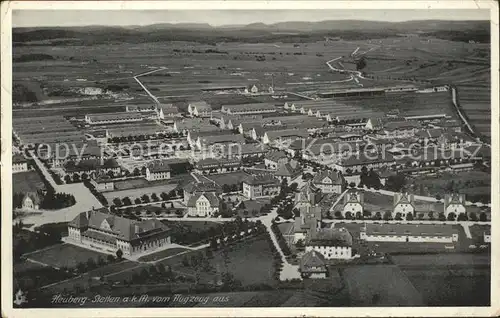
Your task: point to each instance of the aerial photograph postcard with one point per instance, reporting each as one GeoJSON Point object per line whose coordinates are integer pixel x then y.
{"type": "Point", "coordinates": [251, 158]}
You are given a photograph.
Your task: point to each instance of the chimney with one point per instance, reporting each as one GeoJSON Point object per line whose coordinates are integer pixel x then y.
{"type": "Point", "coordinates": [136, 228]}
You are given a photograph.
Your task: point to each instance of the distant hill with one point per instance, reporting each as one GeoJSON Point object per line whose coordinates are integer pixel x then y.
{"type": "Point", "coordinates": [257, 32]}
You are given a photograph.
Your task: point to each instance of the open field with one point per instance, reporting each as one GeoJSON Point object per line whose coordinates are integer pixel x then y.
{"type": "Point", "coordinates": [464, 287]}
{"type": "Point", "coordinates": [442, 260]}
{"type": "Point", "coordinates": [138, 192]}
{"type": "Point", "coordinates": [65, 255]}
{"type": "Point", "coordinates": [251, 262]}
{"type": "Point", "coordinates": [226, 178]}
{"type": "Point", "coordinates": [408, 104]}
{"type": "Point", "coordinates": [96, 273]}
{"type": "Point", "coordinates": [477, 231]}
{"type": "Point", "coordinates": [380, 285]}
{"type": "Point", "coordinates": [28, 181]}
{"type": "Point", "coordinates": [193, 67]}
{"type": "Point", "coordinates": [378, 202]}
{"type": "Point", "coordinates": [476, 103]}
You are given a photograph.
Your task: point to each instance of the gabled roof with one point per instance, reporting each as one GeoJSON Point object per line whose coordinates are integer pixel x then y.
{"type": "Point", "coordinates": [251, 107]}
{"type": "Point", "coordinates": [300, 133]}
{"type": "Point", "coordinates": [195, 124]}
{"type": "Point", "coordinates": [453, 198]}
{"type": "Point", "coordinates": [227, 138]}
{"type": "Point", "coordinates": [159, 166]}
{"type": "Point", "coordinates": [312, 259]}
{"type": "Point", "coordinates": [403, 198]}
{"type": "Point", "coordinates": [18, 158]}
{"type": "Point", "coordinates": [121, 227]}
{"type": "Point", "coordinates": [408, 124]}
{"type": "Point", "coordinates": [201, 106]}
{"type": "Point", "coordinates": [210, 196]}
{"type": "Point", "coordinates": [377, 123]}
{"type": "Point", "coordinates": [261, 179]}
{"type": "Point", "coordinates": [410, 229]}
{"type": "Point", "coordinates": [141, 107]}
{"type": "Point", "coordinates": [202, 187]}
{"type": "Point", "coordinates": [336, 177]}
{"type": "Point", "coordinates": [330, 237]}
{"type": "Point", "coordinates": [35, 198]}
{"type": "Point", "coordinates": [114, 116]}
{"type": "Point", "coordinates": [286, 170]}
{"type": "Point", "coordinates": [275, 155]}
{"type": "Point", "coordinates": [168, 109]}
{"type": "Point", "coordinates": [309, 188]}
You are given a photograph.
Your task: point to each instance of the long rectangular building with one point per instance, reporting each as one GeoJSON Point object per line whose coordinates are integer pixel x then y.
{"type": "Point", "coordinates": [418, 233]}
{"type": "Point", "coordinates": [254, 108]}
{"type": "Point", "coordinates": [109, 118]}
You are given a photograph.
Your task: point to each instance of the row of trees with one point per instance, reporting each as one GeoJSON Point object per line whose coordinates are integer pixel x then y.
{"type": "Point", "coordinates": [185, 235]}
{"type": "Point", "coordinates": [144, 199]}
{"type": "Point", "coordinates": [54, 201]}
{"type": "Point", "coordinates": [370, 178]}
{"type": "Point", "coordinates": [232, 188]}
{"type": "Point", "coordinates": [387, 215]}
{"type": "Point", "coordinates": [25, 241]}
{"type": "Point", "coordinates": [281, 240]}
{"type": "Point", "coordinates": [90, 264]}
{"type": "Point", "coordinates": [76, 177]}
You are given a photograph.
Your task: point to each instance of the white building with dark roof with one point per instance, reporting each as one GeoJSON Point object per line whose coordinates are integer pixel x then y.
{"type": "Point", "coordinates": [167, 111]}
{"type": "Point", "coordinates": [111, 118]}
{"type": "Point", "coordinates": [313, 265]}
{"type": "Point", "coordinates": [403, 204]}
{"type": "Point", "coordinates": [158, 170]}
{"type": "Point", "coordinates": [107, 232]}
{"type": "Point", "coordinates": [330, 181]}
{"type": "Point", "coordinates": [203, 204]}
{"type": "Point", "coordinates": [275, 158]}
{"type": "Point", "coordinates": [259, 186]}
{"type": "Point", "coordinates": [200, 109]}
{"type": "Point", "coordinates": [353, 202]}
{"type": "Point", "coordinates": [198, 187]}
{"type": "Point", "coordinates": [247, 109]}
{"type": "Point", "coordinates": [31, 201]}
{"type": "Point", "coordinates": [284, 136]}
{"type": "Point", "coordinates": [332, 243]}
{"type": "Point", "coordinates": [415, 233]}
{"type": "Point", "coordinates": [19, 163]}
{"type": "Point", "coordinates": [454, 203]}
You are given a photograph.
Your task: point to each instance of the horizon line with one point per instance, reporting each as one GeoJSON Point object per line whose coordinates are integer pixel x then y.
{"type": "Point", "coordinates": [246, 24]}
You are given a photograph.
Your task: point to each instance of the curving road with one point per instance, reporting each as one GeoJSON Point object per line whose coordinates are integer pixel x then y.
{"type": "Point", "coordinates": [85, 201]}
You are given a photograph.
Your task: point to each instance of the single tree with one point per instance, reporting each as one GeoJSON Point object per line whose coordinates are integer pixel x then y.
{"type": "Point", "coordinates": [119, 254]}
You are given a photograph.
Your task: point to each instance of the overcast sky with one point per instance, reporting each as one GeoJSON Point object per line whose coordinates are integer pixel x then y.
{"type": "Point", "coordinates": [33, 18]}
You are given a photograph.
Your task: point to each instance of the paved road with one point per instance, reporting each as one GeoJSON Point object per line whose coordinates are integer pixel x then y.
{"type": "Point", "coordinates": [85, 201]}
